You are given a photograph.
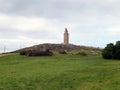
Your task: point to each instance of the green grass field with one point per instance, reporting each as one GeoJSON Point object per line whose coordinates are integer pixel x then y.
{"type": "Point", "coordinates": [59, 72]}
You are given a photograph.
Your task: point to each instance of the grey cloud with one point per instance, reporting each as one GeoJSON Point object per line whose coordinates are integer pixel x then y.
{"type": "Point", "coordinates": [7, 33]}
{"type": "Point", "coordinates": [58, 8]}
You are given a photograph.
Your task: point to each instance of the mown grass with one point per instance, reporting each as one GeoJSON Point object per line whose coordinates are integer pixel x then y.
{"type": "Point", "coordinates": [59, 72]}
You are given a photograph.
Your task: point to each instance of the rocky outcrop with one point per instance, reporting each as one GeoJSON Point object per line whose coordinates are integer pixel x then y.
{"type": "Point", "coordinates": [57, 47]}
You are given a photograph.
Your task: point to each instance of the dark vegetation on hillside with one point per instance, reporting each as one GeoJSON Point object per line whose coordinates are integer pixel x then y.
{"type": "Point", "coordinates": [112, 51]}
{"type": "Point", "coordinates": [82, 53]}
{"type": "Point", "coordinates": [36, 53]}
{"type": "Point", "coordinates": [63, 52]}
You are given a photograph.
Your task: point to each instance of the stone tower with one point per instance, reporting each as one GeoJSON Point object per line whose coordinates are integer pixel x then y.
{"type": "Point", "coordinates": [66, 37]}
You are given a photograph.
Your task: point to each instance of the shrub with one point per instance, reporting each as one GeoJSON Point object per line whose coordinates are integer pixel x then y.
{"type": "Point", "coordinates": [63, 52]}
{"type": "Point", "coordinates": [36, 53]}
{"type": "Point", "coordinates": [40, 53]}
{"type": "Point", "coordinates": [111, 51]}
{"type": "Point", "coordinates": [108, 51]}
{"type": "Point", "coordinates": [82, 53]}
{"type": "Point", "coordinates": [23, 52]}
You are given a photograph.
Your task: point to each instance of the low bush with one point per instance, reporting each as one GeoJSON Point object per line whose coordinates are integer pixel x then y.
{"type": "Point", "coordinates": [82, 53]}
{"type": "Point", "coordinates": [36, 53]}
{"type": "Point", "coordinates": [23, 52]}
{"type": "Point", "coordinates": [62, 52]}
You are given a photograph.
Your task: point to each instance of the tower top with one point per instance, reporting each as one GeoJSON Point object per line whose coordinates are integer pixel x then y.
{"type": "Point", "coordinates": [66, 31]}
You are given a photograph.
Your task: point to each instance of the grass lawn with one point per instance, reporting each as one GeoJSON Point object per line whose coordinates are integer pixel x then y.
{"type": "Point", "coordinates": [59, 72]}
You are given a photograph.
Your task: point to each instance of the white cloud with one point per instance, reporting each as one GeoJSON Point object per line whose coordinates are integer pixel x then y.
{"type": "Point", "coordinates": [24, 23]}
{"type": "Point", "coordinates": [114, 31]}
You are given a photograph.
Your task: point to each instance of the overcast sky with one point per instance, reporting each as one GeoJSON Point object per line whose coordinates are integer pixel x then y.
{"type": "Point", "coordinates": [29, 22]}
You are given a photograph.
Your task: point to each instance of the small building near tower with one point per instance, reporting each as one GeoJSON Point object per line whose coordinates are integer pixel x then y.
{"type": "Point", "coordinates": [66, 37]}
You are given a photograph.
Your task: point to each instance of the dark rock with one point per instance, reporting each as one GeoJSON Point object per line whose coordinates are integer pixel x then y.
{"type": "Point", "coordinates": [57, 47]}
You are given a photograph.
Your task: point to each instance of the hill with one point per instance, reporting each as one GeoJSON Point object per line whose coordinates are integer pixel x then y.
{"type": "Point", "coordinates": [58, 47]}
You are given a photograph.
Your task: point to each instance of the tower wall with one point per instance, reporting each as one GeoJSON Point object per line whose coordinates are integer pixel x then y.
{"type": "Point", "coordinates": [66, 37]}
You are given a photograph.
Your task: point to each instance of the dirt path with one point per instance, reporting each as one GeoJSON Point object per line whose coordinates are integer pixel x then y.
{"type": "Point", "coordinates": [4, 55]}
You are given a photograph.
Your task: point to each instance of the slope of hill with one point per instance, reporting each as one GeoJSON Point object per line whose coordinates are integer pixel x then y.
{"type": "Point", "coordinates": [58, 47]}
{"type": "Point", "coordinates": [59, 72]}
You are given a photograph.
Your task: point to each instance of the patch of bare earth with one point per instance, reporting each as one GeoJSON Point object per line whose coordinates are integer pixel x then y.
{"type": "Point", "coordinates": [4, 54]}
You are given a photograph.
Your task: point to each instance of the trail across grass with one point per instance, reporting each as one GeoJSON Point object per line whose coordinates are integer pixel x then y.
{"type": "Point", "coordinates": [59, 72]}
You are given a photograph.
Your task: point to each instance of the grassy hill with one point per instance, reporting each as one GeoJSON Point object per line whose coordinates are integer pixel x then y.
{"type": "Point", "coordinates": [59, 72]}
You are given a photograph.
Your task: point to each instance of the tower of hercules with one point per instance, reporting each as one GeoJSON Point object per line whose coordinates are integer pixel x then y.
{"type": "Point", "coordinates": [66, 37]}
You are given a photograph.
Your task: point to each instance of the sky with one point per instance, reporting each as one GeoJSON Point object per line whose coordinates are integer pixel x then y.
{"type": "Point", "coordinates": [25, 23]}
